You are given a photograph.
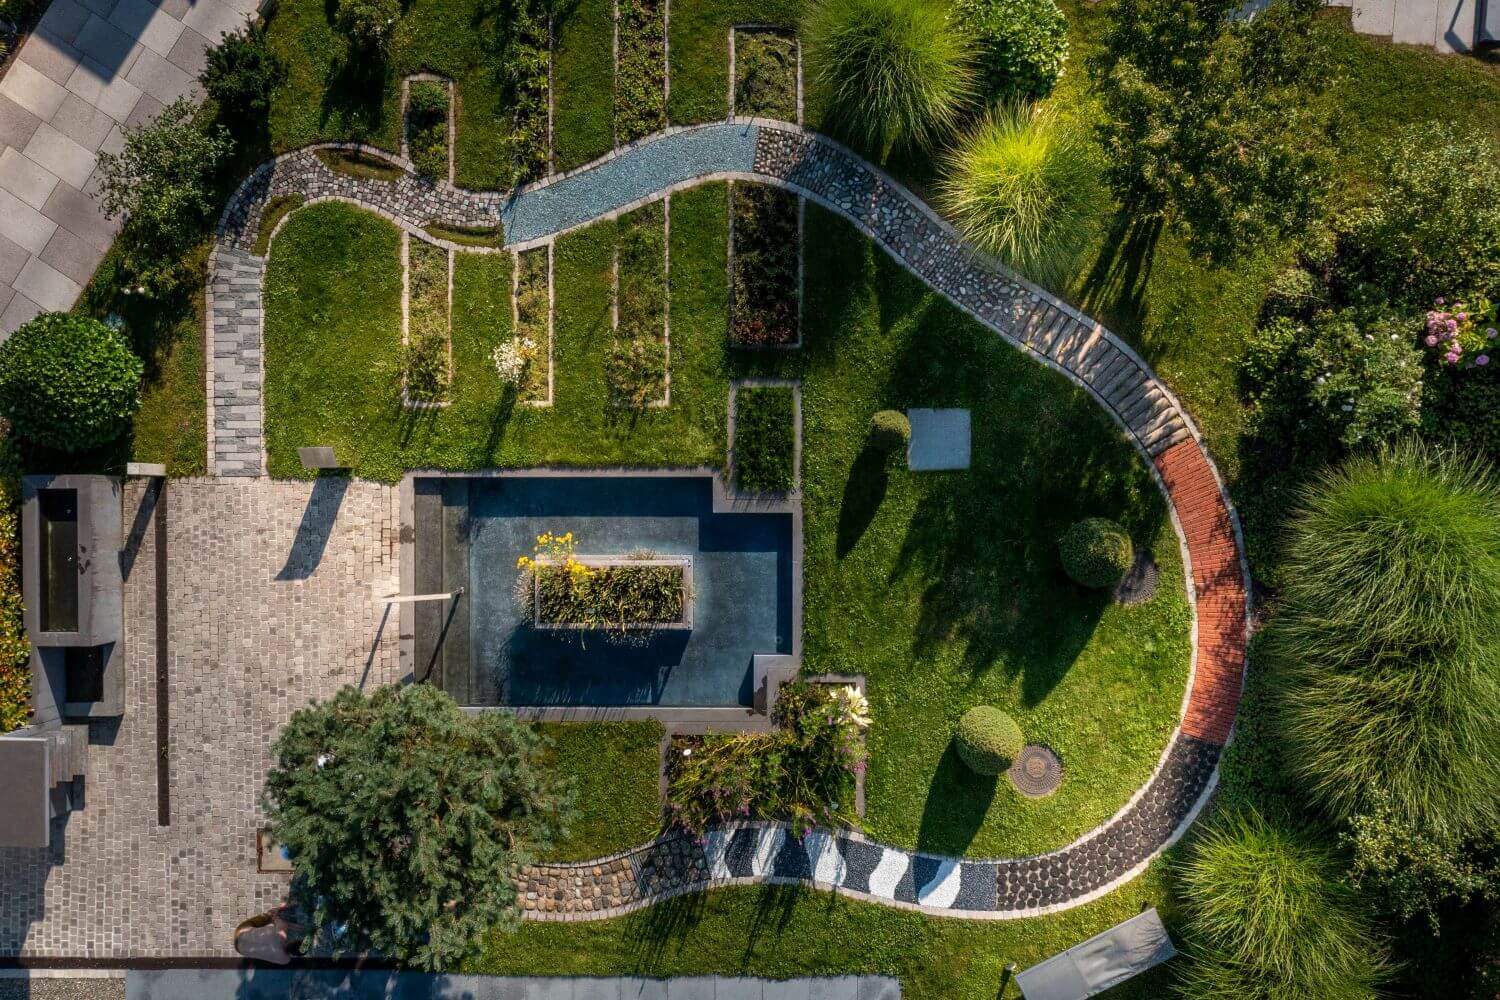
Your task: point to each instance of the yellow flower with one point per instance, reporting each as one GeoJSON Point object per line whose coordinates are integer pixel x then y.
{"type": "Point", "coordinates": [523, 562]}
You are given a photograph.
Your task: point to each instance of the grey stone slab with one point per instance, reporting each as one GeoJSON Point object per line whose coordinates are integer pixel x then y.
{"type": "Point", "coordinates": [46, 286]}
{"type": "Point", "coordinates": [939, 440]}
{"type": "Point", "coordinates": [213, 19]}
{"type": "Point", "coordinates": [739, 989]}
{"type": "Point", "coordinates": [833, 988]}
{"type": "Point", "coordinates": [17, 125]}
{"type": "Point", "coordinates": [104, 88]}
{"type": "Point", "coordinates": [72, 256]}
{"type": "Point", "coordinates": [6, 294]}
{"type": "Point", "coordinates": [154, 75]}
{"type": "Point", "coordinates": [32, 89]}
{"type": "Point", "coordinates": [190, 53]}
{"type": "Point", "coordinates": [176, 8]}
{"type": "Point", "coordinates": [63, 19]}
{"type": "Point", "coordinates": [692, 988]}
{"type": "Point", "coordinates": [878, 988]}
{"type": "Point", "coordinates": [596, 989]}
{"type": "Point", "coordinates": [643, 989]}
{"type": "Point", "coordinates": [72, 209]}
{"type": "Point", "coordinates": [549, 989]}
{"type": "Point", "coordinates": [104, 43]}
{"type": "Point", "coordinates": [18, 313]}
{"type": "Point", "coordinates": [82, 122]}
{"type": "Point", "coordinates": [49, 52]}
{"type": "Point", "coordinates": [23, 224]}
{"type": "Point", "coordinates": [13, 257]}
{"type": "Point", "coordinates": [148, 24]}
{"type": "Point", "coordinates": [61, 155]}
{"type": "Point", "coordinates": [25, 178]}
{"type": "Point", "coordinates": [788, 989]}
{"type": "Point", "coordinates": [113, 143]}
{"type": "Point", "coordinates": [144, 112]}
{"type": "Point", "coordinates": [100, 7]}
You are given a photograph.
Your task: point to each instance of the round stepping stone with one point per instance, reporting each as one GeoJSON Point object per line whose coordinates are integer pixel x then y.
{"type": "Point", "coordinates": [1037, 771]}
{"type": "Point", "coordinates": [1138, 585]}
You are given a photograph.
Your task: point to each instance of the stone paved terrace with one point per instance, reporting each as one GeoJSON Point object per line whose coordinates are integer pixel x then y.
{"type": "Point", "coordinates": [270, 606]}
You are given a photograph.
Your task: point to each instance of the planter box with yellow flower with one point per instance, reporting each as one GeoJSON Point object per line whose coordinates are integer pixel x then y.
{"type": "Point", "coordinates": [628, 593]}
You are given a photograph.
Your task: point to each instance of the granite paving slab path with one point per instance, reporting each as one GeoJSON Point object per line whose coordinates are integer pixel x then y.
{"type": "Point", "coordinates": [90, 70]}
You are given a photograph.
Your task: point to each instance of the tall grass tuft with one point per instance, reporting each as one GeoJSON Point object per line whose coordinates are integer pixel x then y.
{"type": "Point", "coordinates": [898, 70]}
{"type": "Point", "coordinates": [1271, 915]}
{"type": "Point", "coordinates": [1387, 642]}
{"type": "Point", "coordinates": [1023, 185]}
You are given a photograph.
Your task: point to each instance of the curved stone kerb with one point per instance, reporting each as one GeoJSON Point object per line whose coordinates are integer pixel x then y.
{"type": "Point", "coordinates": [1025, 316]}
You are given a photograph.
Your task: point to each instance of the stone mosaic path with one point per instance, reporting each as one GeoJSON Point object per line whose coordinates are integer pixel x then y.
{"type": "Point", "coordinates": [1028, 318]}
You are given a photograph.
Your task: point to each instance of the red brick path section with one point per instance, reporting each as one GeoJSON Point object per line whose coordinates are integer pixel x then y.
{"type": "Point", "coordinates": [1219, 585]}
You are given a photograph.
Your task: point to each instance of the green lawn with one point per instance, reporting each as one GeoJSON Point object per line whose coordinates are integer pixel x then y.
{"type": "Point", "coordinates": [782, 932]}
{"type": "Point", "coordinates": [614, 766]}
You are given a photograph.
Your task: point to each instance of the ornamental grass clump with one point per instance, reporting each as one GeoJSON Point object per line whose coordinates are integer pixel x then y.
{"type": "Point", "coordinates": [1385, 648]}
{"type": "Point", "coordinates": [898, 71]}
{"type": "Point", "coordinates": [1023, 185]}
{"type": "Point", "coordinates": [988, 740]}
{"type": "Point", "coordinates": [1271, 915]}
{"type": "Point", "coordinates": [68, 382]}
{"type": "Point", "coordinates": [803, 773]}
{"type": "Point", "coordinates": [1096, 552]}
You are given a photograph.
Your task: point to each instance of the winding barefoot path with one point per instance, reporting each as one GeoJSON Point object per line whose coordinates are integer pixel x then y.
{"type": "Point", "coordinates": [1026, 317]}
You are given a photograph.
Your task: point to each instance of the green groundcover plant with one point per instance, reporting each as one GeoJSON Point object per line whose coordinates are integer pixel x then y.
{"type": "Point", "coordinates": [407, 819]}
{"type": "Point", "coordinates": [1023, 185]}
{"type": "Point", "coordinates": [1022, 45]}
{"type": "Point", "coordinates": [898, 71]}
{"type": "Point", "coordinates": [427, 128]}
{"type": "Point", "coordinates": [1271, 915]}
{"type": "Point", "coordinates": [15, 649]}
{"type": "Point", "coordinates": [1385, 644]}
{"type": "Point", "coordinates": [68, 382]}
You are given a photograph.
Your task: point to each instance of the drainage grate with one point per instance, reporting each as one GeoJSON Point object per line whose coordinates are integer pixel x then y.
{"type": "Point", "coordinates": [1036, 772]}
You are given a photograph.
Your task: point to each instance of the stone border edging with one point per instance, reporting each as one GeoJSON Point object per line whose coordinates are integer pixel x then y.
{"type": "Point", "coordinates": [1025, 316]}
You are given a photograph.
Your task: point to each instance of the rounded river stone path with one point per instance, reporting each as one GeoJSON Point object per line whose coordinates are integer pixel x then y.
{"type": "Point", "coordinates": [1027, 317]}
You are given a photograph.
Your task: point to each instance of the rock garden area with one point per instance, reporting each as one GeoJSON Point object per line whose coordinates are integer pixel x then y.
{"type": "Point", "coordinates": [982, 545]}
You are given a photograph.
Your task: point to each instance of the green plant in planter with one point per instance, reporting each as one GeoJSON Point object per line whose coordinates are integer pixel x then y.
{"type": "Point", "coordinates": [427, 127]}
{"type": "Point", "coordinates": [898, 71]}
{"type": "Point", "coordinates": [1096, 552]}
{"type": "Point", "coordinates": [890, 431]}
{"type": "Point", "coordinates": [988, 740]}
{"type": "Point", "coordinates": [68, 382]}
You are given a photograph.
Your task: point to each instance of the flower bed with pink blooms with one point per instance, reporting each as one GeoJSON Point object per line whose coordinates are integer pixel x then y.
{"type": "Point", "coordinates": [1463, 333]}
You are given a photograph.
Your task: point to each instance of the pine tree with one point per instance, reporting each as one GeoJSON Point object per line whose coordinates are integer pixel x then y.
{"type": "Point", "coordinates": [407, 820]}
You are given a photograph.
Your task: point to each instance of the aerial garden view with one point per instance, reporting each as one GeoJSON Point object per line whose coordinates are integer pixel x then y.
{"type": "Point", "coordinates": [882, 487]}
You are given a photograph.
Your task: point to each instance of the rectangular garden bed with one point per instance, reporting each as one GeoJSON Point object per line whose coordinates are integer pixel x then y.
{"type": "Point", "coordinates": [620, 593]}
{"type": "Point", "coordinates": [638, 364]}
{"type": "Point", "coordinates": [765, 266]}
{"type": "Point", "coordinates": [428, 116]}
{"type": "Point", "coordinates": [532, 316]}
{"type": "Point", "coordinates": [767, 73]}
{"type": "Point", "coordinates": [426, 357]}
{"type": "Point", "coordinates": [529, 74]}
{"type": "Point", "coordinates": [763, 451]}
{"type": "Point", "coordinates": [640, 69]}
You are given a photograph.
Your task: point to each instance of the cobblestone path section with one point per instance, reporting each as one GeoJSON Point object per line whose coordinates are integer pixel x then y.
{"type": "Point", "coordinates": [270, 589]}
{"type": "Point", "coordinates": [1030, 319]}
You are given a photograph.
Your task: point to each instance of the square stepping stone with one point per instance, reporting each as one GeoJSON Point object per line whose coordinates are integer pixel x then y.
{"type": "Point", "coordinates": [939, 440]}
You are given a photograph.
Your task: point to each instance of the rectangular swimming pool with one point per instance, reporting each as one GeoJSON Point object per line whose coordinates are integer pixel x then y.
{"type": "Point", "coordinates": [483, 649]}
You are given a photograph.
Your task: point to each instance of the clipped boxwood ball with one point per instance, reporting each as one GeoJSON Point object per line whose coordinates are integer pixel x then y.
{"type": "Point", "coordinates": [889, 430]}
{"type": "Point", "coordinates": [1096, 552]}
{"type": "Point", "coordinates": [68, 382]}
{"type": "Point", "coordinates": [988, 740]}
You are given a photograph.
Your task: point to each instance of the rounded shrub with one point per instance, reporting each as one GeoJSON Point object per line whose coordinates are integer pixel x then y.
{"type": "Point", "coordinates": [242, 71]}
{"type": "Point", "coordinates": [889, 431]}
{"type": "Point", "coordinates": [1384, 649]}
{"type": "Point", "coordinates": [369, 25]}
{"type": "Point", "coordinates": [1272, 915]}
{"type": "Point", "coordinates": [1096, 552]}
{"type": "Point", "coordinates": [988, 740]}
{"type": "Point", "coordinates": [68, 382]}
{"type": "Point", "coordinates": [1022, 184]}
{"type": "Point", "coordinates": [898, 70]}
{"type": "Point", "coordinates": [1021, 45]}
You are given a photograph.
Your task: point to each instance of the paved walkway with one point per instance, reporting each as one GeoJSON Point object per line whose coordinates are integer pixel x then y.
{"type": "Point", "coordinates": [1025, 316]}
{"type": "Point", "coordinates": [91, 69]}
{"type": "Point", "coordinates": [269, 589]}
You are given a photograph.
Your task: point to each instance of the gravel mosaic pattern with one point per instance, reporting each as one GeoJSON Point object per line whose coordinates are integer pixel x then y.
{"type": "Point", "coordinates": [768, 852]}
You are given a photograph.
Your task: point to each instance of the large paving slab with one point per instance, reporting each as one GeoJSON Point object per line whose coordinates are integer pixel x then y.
{"type": "Point", "coordinates": [270, 602]}
{"type": "Point", "coordinates": [90, 69]}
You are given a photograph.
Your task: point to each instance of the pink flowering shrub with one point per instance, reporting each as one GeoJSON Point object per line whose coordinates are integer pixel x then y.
{"type": "Point", "coordinates": [1463, 334]}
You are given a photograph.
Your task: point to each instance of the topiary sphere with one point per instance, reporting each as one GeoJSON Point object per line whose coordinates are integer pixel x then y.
{"type": "Point", "coordinates": [988, 740]}
{"type": "Point", "coordinates": [68, 382]}
{"type": "Point", "coordinates": [1096, 552]}
{"type": "Point", "coordinates": [889, 430]}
